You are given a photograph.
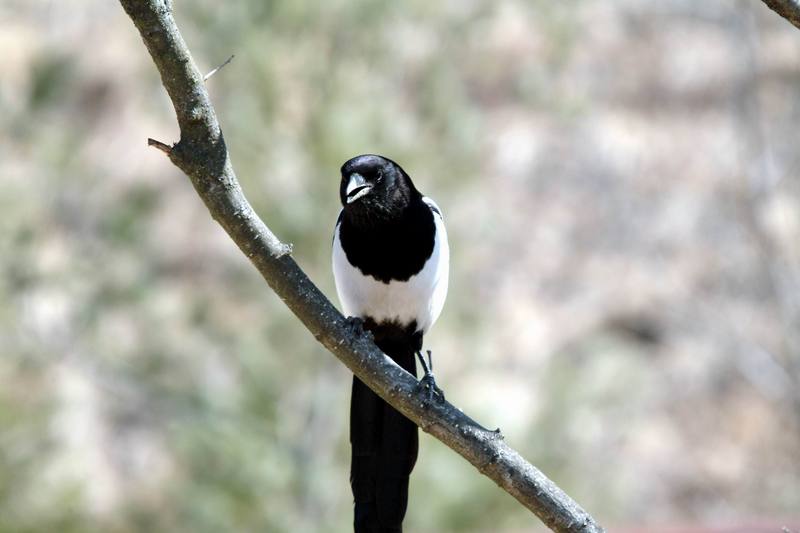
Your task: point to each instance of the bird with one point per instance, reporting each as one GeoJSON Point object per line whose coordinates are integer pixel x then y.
{"type": "Point", "coordinates": [391, 269]}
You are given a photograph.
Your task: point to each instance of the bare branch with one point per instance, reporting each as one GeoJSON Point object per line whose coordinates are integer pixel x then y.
{"type": "Point", "coordinates": [202, 155]}
{"type": "Point", "coordinates": [788, 9]}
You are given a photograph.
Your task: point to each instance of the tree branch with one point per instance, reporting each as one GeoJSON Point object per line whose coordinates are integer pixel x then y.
{"type": "Point", "coordinates": [202, 155]}
{"type": "Point", "coordinates": [788, 9]}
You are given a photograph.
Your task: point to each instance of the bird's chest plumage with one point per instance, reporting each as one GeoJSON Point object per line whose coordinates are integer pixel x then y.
{"type": "Point", "coordinates": [394, 272]}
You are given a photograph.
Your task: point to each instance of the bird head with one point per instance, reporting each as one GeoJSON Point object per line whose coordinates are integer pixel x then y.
{"type": "Point", "coordinates": [374, 186]}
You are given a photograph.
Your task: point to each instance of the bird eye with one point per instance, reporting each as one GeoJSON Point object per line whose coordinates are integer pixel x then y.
{"type": "Point", "coordinates": [379, 177]}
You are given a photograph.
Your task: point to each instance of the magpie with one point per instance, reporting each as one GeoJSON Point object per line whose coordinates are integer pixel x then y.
{"type": "Point", "coordinates": [390, 264]}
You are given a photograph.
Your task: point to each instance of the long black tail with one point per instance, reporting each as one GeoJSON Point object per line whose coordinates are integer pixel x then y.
{"type": "Point", "coordinates": [384, 445]}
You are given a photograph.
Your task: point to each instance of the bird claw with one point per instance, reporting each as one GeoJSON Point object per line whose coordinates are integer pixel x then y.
{"type": "Point", "coordinates": [428, 382]}
{"type": "Point", "coordinates": [356, 326]}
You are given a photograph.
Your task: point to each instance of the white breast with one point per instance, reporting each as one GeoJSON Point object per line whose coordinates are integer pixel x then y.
{"type": "Point", "coordinates": [420, 298]}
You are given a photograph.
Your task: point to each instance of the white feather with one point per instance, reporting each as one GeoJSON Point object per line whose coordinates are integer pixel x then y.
{"type": "Point", "coordinates": [419, 298]}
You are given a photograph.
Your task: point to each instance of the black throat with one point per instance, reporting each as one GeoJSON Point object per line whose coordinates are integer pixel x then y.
{"type": "Point", "coordinates": [389, 248]}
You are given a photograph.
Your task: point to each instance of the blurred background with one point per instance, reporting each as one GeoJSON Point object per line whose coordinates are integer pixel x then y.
{"type": "Point", "coordinates": [620, 183]}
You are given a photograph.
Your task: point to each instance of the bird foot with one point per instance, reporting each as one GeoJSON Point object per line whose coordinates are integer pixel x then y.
{"type": "Point", "coordinates": [356, 326]}
{"type": "Point", "coordinates": [428, 382]}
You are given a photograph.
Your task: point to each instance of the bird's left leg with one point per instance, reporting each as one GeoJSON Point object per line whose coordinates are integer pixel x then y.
{"type": "Point", "coordinates": [356, 326]}
{"type": "Point", "coordinates": [428, 382]}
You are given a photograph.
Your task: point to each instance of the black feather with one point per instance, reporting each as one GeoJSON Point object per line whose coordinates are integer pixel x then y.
{"type": "Point", "coordinates": [384, 443]}
{"type": "Point", "coordinates": [390, 233]}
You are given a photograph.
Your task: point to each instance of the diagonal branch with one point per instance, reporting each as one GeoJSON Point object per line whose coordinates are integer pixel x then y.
{"type": "Point", "coordinates": [202, 155]}
{"type": "Point", "coordinates": [788, 9]}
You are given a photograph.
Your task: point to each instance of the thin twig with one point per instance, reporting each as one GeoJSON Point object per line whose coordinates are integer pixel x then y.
{"type": "Point", "coordinates": [159, 145]}
{"type": "Point", "coordinates": [205, 78]}
{"type": "Point", "coordinates": [788, 9]}
{"type": "Point", "coordinates": [202, 155]}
